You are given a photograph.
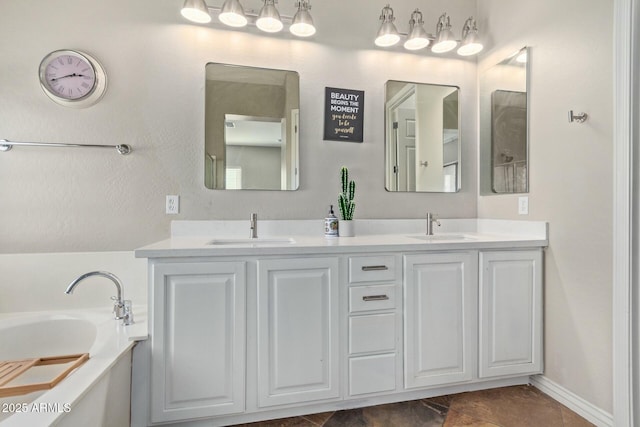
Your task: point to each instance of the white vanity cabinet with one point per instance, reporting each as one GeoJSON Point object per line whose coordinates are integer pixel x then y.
{"type": "Point", "coordinates": [440, 318]}
{"type": "Point", "coordinates": [298, 337]}
{"type": "Point", "coordinates": [510, 313]}
{"type": "Point", "coordinates": [198, 346]}
{"type": "Point", "coordinates": [374, 324]}
{"type": "Point", "coordinates": [243, 333]}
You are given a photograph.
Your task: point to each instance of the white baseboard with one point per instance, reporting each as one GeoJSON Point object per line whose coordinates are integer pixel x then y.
{"type": "Point", "coordinates": [572, 401]}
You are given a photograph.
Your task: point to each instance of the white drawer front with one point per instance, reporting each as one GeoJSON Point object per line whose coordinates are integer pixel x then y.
{"type": "Point", "coordinates": [372, 269]}
{"type": "Point", "coordinates": [372, 333]}
{"type": "Point", "coordinates": [367, 298]}
{"type": "Point", "coordinates": [372, 374]}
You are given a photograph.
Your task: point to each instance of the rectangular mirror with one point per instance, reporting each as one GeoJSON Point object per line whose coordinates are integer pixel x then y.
{"type": "Point", "coordinates": [503, 126]}
{"type": "Point", "coordinates": [251, 128]}
{"type": "Point", "coordinates": [422, 137]}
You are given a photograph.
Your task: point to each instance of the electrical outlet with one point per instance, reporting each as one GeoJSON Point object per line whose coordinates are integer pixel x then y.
{"type": "Point", "coordinates": [523, 205]}
{"type": "Point", "coordinates": [173, 205]}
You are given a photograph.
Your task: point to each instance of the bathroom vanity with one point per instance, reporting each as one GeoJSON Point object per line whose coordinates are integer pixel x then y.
{"type": "Point", "coordinates": [245, 330]}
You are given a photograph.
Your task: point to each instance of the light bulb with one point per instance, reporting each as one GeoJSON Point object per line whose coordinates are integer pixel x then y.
{"type": "Point", "coordinates": [302, 25]}
{"type": "Point", "coordinates": [196, 11]}
{"type": "Point", "coordinates": [269, 18]}
{"type": "Point", "coordinates": [388, 33]}
{"type": "Point", "coordinates": [444, 37]}
{"type": "Point", "coordinates": [470, 43]}
{"type": "Point", "coordinates": [418, 38]}
{"type": "Point", "coordinates": [232, 14]}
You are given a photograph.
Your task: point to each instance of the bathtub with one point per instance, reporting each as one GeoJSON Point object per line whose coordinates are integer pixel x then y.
{"type": "Point", "coordinates": [98, 392]}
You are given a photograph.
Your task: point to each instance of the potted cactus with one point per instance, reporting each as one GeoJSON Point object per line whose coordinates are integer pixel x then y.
{"type": "Point", "coordinates": [346, 204]}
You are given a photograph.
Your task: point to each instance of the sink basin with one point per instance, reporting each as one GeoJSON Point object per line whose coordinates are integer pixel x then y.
{"type": "Point", "coordinates": [441, 237]}
{"type": "Point", "coordinates": [260, 241]}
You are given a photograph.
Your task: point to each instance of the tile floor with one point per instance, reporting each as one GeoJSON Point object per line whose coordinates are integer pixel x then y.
{"type": "Point", "coordinates": [518, 406]}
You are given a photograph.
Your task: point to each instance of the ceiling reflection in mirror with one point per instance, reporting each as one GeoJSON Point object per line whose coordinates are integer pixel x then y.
{"type": "Point", "coordinates": [251, 128]}
{"type": "Point", "coordinates": [422, 137]}
{"type": "Point", "coordinates": [503, 125]}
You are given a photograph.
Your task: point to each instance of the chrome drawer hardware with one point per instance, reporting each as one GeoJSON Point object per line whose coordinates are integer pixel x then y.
{"type": "Point", "coordinates": [374, 267]}
{"type": "Point", "coordinates": [375, 298]}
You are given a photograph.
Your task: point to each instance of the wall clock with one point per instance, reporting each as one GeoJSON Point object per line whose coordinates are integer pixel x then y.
{"type": "Point", "coordinates": [72, 78]}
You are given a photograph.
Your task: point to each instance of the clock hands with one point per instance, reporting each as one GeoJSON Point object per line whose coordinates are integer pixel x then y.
{"type": "Point", "coordinates": [67, 76]}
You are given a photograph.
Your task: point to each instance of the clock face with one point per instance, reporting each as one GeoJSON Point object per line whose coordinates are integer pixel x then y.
{"type": "Point", "coordinates": [69, 76]}
{"type": "Point", "coordinates": [72, 78]}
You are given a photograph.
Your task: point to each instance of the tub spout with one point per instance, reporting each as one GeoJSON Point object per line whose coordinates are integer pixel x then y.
{"type": "Point", "coordinates": [121, 308]}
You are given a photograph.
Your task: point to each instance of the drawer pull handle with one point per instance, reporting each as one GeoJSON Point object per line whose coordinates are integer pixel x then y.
{"type": "Point", "coordinates": [375, 298]}
{"type": "Point", "coordinates": [374, 267]}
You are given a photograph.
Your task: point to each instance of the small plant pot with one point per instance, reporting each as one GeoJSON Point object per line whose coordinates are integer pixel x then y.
{"type": "Point", "coordinates": [346, 228]}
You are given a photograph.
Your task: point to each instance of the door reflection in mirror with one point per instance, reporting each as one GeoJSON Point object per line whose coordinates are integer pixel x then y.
{"type": "Point", "coordinates": [251, 128]}
{"type": "Point", "coordinates": [422, 144]}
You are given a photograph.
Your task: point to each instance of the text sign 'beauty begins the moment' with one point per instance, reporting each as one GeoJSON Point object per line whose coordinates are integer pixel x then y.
{"type": "Point", "coordinates": [343, 114]}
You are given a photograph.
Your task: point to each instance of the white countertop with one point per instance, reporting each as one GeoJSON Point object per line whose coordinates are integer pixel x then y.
{"type": "Point", "coordinates": [193, 238]}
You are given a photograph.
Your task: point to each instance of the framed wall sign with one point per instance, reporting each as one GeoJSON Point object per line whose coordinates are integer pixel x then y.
{"type": "Point", "coordinates": [343, 114]}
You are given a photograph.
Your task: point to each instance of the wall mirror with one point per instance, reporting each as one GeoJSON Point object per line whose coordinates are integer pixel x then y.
{"type": "Point", "coordinates": [504, 124]}
{"type": "Point", "coordinates": [422, 137]}
{"type": "Point", "coordinates": [251, 128]}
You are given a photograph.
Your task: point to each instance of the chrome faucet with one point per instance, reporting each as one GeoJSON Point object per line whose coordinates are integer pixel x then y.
{"type": "Point", "coordinates": [431, 218]}
{"type": "Point", "coordinates": [121, 308]}
{"type": "Point", "coordinates": [254, 226]}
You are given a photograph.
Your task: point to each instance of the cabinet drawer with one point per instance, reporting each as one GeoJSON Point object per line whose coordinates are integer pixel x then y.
{"type": "Point", "coordinates": [372, 374]}
{"type": "Point", "coordinates": [372, 268]}
{"type": "Point", "coordinates": [367, 298]}
{"type": "Point", "coordinates": [376, 332]}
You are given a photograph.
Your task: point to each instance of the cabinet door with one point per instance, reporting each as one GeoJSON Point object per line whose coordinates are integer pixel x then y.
{"type": "Point", "coordinates": [510, 313]}
{"type": "Point", "coordinates": [198, 340]}
{"type": "Point", "coordinates": [298, 343]}
{"type": "Point", "coordinates": [440, 303]}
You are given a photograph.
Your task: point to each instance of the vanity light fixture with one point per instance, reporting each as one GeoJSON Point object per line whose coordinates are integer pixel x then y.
{"type": "Point", "coordinates": [418, 37]}
{"type": "Point", "coordinates": [232, 14]}
{"type": "Point", "coordinates": [302, 25]}
{"type": "Point", "coordinates": [388, 33]}
{"type": "Point", "coordinates": [443, 40]}
{"type": "Point", "coordinates": [470, 43]}
{"type": "Point", "coordinates": [269, 18]}
{"type": "Point", "coordinates": [196, 11]}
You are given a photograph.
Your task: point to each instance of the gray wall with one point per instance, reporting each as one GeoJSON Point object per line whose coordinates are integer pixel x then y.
{"type": "Point", "coordinates": [571, 177]}
{"type": "Point", "coordinates": [92, 200]}
{"type": "Point", "coordinates": [260, 165]}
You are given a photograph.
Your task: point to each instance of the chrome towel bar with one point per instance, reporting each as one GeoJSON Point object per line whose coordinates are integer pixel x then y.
{"type": "Point", "coordinates": [6, 145]}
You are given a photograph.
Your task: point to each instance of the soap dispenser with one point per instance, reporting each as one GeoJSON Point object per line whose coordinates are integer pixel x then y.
{"type": "Point", "coordinates": [331, 224]}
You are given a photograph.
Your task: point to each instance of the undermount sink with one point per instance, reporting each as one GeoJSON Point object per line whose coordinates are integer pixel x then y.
{"type": "Point", "coordinates": [439, 237]}
{"type": "Point", "coordinates": [258, 241]}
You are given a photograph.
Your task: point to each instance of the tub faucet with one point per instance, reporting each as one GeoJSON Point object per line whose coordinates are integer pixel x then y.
{"type": "Point", "coordinates": [431, 218]}
{"type": "Point", "coordinates": [254, 226]}
{"type": "Point", "coordinates": [121, 308]}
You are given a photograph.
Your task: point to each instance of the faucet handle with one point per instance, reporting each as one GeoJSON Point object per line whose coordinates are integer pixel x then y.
{"type": "Point", "coordinates": [433, 218]}
{"type": "Point", "coordinates": [122, 311]}
{"type": "Point", "coordinates": [127, 313]}
{"type": "Point", "coordinates": [253, 226]}
{"type": "Point", "coordinates": [118, 308]}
